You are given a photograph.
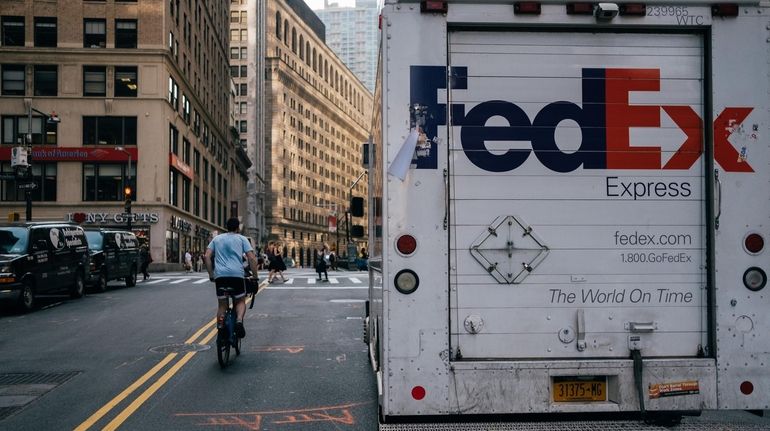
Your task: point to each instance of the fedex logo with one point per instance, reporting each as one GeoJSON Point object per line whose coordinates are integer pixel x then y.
{"type": "Point", "coordinates": [605, 119]}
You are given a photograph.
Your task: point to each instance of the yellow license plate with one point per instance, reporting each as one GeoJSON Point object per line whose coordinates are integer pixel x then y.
{"type": "Point", "coordinates": [566, 391]}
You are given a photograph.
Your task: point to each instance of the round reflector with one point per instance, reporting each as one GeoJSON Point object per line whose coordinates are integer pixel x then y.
{"type": "Point", "coordinates": [406, 244]}
{"type": "Point", "coordinates": [418, 393]}
{"type": "Point", "coordinates": [754, 279]}
{"type": "Point", "coordinates": [754, 243]}
{"type": "Point", "coordinates": [747, 388]}
{"type": "Point", "coordinates": [406, 281]}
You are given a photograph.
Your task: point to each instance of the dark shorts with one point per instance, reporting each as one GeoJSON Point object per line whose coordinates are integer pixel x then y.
{"type": "Point", "coordinates": [234, 285]}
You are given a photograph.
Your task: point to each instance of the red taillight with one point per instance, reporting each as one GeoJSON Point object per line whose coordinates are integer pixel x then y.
{"type": "Point", "coordinates": [526, 8]}
{"type": "Point", "coordinates": [580, 8]}
{"type": "Point", "coordinates": [406, 244]}
{"type": "Point", "coordinates": [724, 9]}
{"type": "Point", "coordinates": [418, 393]}
{"type": "Point", "coordinates": [633, 9]}
{"type": "Point", "coordinates": [747, 388]}
{"type": "Point", "coordinates": [433, 6]}
{"type": "Point", "coordinates": [754, 243]}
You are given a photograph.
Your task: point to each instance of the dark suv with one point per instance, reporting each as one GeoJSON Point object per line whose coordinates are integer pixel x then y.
{"type": "Point", "coordinates": [114, 255]}
{"type": "Point", "coordinates": [41, 258]}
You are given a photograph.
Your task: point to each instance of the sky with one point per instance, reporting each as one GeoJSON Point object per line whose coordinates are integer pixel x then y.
{"type": "Point", "coordinates": [318, 4]}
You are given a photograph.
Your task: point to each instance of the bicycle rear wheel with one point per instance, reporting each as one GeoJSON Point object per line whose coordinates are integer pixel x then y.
{"type": "Point", "coordinates": [237, 346]}
{"type": "Point", "coordinates": [223, 342]}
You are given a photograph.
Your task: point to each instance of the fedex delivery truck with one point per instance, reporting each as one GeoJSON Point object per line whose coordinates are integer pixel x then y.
{"type": "Point", "coordinates": [570, 208]}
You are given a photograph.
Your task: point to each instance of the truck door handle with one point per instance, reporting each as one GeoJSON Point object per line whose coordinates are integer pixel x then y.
{"type": "Point", "coordinates": [719, 199]}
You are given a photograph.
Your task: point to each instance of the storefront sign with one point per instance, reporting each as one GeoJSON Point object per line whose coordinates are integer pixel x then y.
{"type": "Point", "coordinates": [101, 218]}
{"type": "Point", "coordinates": [75, 154]}
{"type": "Point", "coordinates": [202, 232]}
{"type": "Point", "coordinates": [180, 166]}
{"type": "Point", "coordinates": [180, 224]}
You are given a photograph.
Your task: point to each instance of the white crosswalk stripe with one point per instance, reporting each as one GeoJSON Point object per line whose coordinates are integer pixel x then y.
{"type": "Point", "coordinates": [311, 281]}
{"type": "Point", "coordinates": [333, 280]}
{"type": "Point", "coordinates": [201, 281]}
{"type": "Point", "coordinates": [355, 280]}
{"type": "Point", "coordinates": [290, 281]}
{"type": "Point", "coordinates": [160, 280]}
{"type": "Point", "coordinates": [182, 280]}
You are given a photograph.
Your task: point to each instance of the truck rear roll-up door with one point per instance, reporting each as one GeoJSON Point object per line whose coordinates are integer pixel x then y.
{"type": "Point", "coordinates": [576, 194]}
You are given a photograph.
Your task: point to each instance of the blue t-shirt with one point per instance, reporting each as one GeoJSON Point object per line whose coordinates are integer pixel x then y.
{"type": "Point", "coordinates": [228, 249]}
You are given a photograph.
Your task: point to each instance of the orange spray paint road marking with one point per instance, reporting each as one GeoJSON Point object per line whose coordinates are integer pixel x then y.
{"type": "Point", "coordinates": [290, 349]}
{"type": "Point", "coordinates": [340, 414]}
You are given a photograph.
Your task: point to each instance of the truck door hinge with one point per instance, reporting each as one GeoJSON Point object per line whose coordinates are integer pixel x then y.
{"type": "Point", "coordinates": [581, 330]}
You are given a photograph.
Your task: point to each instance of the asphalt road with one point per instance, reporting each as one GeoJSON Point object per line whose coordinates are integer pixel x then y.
{"type": "Point", "coordinates": [142, 358]}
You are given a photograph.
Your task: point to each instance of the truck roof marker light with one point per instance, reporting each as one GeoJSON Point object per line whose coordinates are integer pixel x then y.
{"type": "Point", "coordinates": [633, 9]}
{"type": "Point", "coordinates": [747, 388]}
{"type": "Point", "coordinates": [754, 243]}
{"type": "Point", "coordinates": [724, 9]}
{"type": "Point", "coordinates": [418, 393]}
{"type": "Point", "coordinates": [526, 8]}
{"type": "Point", "coordinates": [406, 244]}
{"type": "Point", "coordinates": [755, 279]}
{"type": "Point", "coordinates": [580, 8]}
{"type": "Point", "coordinates": [431, 6]}
{"type": "Point", "coordinates": [406, 281]}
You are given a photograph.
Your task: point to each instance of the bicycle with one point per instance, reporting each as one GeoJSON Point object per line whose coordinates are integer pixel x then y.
{"type": "Point", "coordinates": [226, 337]}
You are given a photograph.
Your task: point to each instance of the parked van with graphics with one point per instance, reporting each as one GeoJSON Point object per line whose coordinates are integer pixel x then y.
{"type": "Point", "coordinates": [38, 259]}
{"type": "Point", "coordinates": [114, 255]}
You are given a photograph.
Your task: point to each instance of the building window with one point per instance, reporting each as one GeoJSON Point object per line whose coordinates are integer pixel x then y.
{"type": "Point", "coordinates": [234, 36]}
{"type": "Point", "coordinates": [173, 191]}
{"type": "Point", "coordinates": [233, 71]}
{"type": "Point", "coordinates": [234, 53]}
{"type": "Point", "coordinates": [106, 181]}
{"type": "Point", "coordinates": [243, 89]}
{"type": "Point", "coordinates": [173, 93]}
{"type": "Point", "coordinates": [125, 33]}
{"type": "Point", "coordinates": [46, 81]}
{"type": "Point", "coordinates": [94, 81]}
{"type": "Point", "coordinates": [112, 131]}
{"type": "Point", "coordinates": [278, 25]}
{"type": "Point", "coordinates": [186, 150]}
{"type": "Point", "coordinates": [43, 175]}
{"type": "Point", "coordinates": [243, 71]}
{"type": "Point", "coordinates": [13, 30]}
{"type": "Point", "coordinates": [14, 127]}
{"type": "Point", "coordinates": [13, 80]}
{"type": "Point", "coordinates": [196, 201]}
{"type": "Point", "coordinates": [243, 127]}
{"type": "Point", "coordinates": [94, 33]}
{"type": "Point", "coordinates": [173, 138]}
{"type": "Point", "coordinates": [186, 109]}
{"type": "Point", "coordinates": [205, 205]}
{"type": "Point", "coordinates": [244, 54]}
{"type": "Point", "coordinates": [126, 81]}
{"type": "Point", "coordinates": [186, 194]}
{"type": "Point", "coordinates": [45, 32]}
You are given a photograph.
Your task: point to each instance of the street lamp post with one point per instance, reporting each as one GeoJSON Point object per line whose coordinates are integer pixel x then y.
{"type": "Point", "coordinates": [128, 189]}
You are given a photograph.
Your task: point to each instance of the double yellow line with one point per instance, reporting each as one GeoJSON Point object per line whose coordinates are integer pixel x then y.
{"type": "Point", "coordinates": [144, 396]}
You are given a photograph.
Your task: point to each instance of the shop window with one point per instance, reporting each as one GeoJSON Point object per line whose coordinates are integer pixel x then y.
{"type": "Point", "coordinates": [43, 175]}
{"type": "Point", "coordinates": [172, 247]}
{"type": "Point", "coordinates": [106, 181]}
{"type": "Point", "coordinates": [173, 187]}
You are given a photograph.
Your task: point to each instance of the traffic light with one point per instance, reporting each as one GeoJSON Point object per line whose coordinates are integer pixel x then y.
{"type": "Point", "coordinates": [127, 192]}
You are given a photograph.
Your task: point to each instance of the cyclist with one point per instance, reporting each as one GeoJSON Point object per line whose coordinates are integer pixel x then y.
{"type": "Point", "coordinates": [228, 250]}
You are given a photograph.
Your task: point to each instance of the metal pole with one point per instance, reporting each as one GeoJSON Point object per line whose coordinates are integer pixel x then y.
{"type": "Point", "coordinates": [131, 197]}
{"type": "Point", "coordinates": [28, 138]}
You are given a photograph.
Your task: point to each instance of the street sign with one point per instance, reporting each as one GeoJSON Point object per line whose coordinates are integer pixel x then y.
{"type": "Point", "coordinates": [26, 186]}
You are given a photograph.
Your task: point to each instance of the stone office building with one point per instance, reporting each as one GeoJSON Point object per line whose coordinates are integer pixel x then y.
{"type": "Point", "coordinates": [311, 119]}
{"type": "Point", "coordinates": [142, 92]}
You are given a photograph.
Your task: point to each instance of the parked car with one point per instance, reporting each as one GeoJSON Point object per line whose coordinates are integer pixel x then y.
{"type": "Point", "coordinates": [40, 259]}
{"type": "Point", "coordinates": [114, 255]}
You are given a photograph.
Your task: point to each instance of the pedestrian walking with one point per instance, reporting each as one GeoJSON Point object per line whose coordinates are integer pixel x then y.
{"type": "Point", "coordinates": [322, 262]}
{"type": "Point", "coordinates": [146, 257]}
{"type": "Point", "coordinates": [275, 262]}
{"type": "Point", "coordinates": [188, 261]}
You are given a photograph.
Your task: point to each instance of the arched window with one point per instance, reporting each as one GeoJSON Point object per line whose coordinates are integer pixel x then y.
{"type": "Point", "coordinates": [307, 51]}
{"type": "Point", "coordinates": [286, 32]}
{"type": "Point", "coordinates": [314, 61]}
{"type": "Point", "coordinates": [326, 71]}
{"type": "Point", "coordinates": [294, 40]}
{"type": "Point", "coordinates": [278, 22]}
{"type": "Point", "coordinates": [301, 47]}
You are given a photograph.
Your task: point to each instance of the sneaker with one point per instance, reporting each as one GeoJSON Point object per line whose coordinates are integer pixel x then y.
{"type": "Point", "coordinates": [240, 331]}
